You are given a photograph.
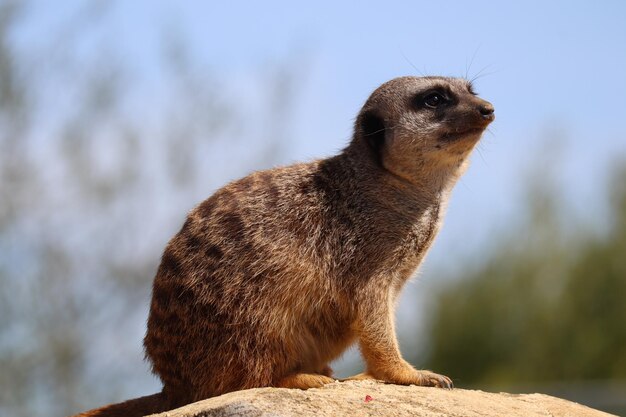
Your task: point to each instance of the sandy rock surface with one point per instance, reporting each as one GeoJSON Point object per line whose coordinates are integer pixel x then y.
{"type": "Point", "coordinates": [369, 398]}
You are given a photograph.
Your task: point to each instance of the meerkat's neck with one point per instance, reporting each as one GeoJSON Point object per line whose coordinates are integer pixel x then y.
{"type": "Point", "coordinates": [429, 183]}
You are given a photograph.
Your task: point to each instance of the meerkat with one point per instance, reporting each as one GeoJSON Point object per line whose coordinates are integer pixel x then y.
{"type": "Point", "coordinates": [276, 274]}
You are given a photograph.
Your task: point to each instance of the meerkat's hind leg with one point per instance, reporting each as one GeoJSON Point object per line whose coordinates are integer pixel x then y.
{"type": "Point", "coordinates": [304, 381]}
{"type": "Point", "coordinates": [358, 377]}
{"type": "Point", "coordinates": [327, 371]}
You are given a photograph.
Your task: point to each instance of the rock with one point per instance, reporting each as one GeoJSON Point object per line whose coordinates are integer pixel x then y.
{"type": "Point", "coordinates": [369, 398]}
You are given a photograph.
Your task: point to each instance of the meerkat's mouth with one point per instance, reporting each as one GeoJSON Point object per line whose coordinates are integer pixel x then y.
{"type": "Point", "coordinates": [453, 135]}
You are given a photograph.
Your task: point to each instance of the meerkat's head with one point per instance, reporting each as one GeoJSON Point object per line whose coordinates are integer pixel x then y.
{"type": "Point", "coordinates": [414, 125]}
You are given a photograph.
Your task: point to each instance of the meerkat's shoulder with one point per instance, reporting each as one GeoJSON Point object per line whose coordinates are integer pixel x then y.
{"type": "Point", "coordinates": [266, 186]}
{"type": "Point", "coordinates": [275, 175]}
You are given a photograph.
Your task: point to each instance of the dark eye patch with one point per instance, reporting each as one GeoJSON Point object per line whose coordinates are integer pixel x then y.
{"type": "Point", "coordinates": [434, 98]}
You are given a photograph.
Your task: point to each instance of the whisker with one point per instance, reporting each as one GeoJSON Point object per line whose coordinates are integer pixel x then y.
{"type": "Point", "coordinates": [410, 63]}
{"type": "Point", "coordinates": [482, 73]}
{"type": "Point", "coordinates": [486, 67]}
{"type": "Point", "coordinates": [481, 154]}
{"type": "Point", "coordinates": [468, 68]}
{"type": "Point", "coordinates": [381, 130]}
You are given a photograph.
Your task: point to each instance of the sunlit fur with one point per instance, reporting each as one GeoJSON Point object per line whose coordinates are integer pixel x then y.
{"type": "Point", "coordinates": [276, 274]}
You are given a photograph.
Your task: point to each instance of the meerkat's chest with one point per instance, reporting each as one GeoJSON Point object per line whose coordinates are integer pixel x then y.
{"type": "Point", "coordinates": [420, 236]}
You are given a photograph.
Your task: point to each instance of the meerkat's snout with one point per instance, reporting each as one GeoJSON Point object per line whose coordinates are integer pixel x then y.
{"type": "Point", "coordinates": [487, 111]}
{"type": "Point", "coordinates": [467, 119]}
{"type": "Point", "coordinates": [482, 112]}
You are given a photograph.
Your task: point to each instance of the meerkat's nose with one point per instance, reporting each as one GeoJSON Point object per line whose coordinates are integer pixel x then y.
{"type": "Point", "coordinates": [486, 110]}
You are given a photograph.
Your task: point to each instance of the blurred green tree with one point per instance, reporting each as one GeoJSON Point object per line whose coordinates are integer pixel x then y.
{"type": "Point", "coordinates": [548, 304]}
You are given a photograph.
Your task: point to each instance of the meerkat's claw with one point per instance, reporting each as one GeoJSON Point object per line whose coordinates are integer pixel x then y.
{"type": "Point", "coordinates": [431, 379]}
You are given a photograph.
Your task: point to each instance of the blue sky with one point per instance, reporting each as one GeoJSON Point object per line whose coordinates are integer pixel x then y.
{"type": "Point", "coordinates": [552, 69]}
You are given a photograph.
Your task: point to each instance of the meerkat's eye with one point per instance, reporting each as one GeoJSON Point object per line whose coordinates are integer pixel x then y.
{"type": "Point", "coordinates": [434, 100]}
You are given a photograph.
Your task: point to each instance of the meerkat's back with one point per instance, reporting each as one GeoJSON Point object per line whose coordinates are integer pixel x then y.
{"type": "Point", "coordinates": [247, 278]}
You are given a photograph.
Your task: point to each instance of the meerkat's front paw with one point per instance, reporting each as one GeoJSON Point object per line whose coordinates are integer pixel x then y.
{"type": "Point", "coordinates": [407, 375]}
{"type": "Point", "coordinates": [431, 379]}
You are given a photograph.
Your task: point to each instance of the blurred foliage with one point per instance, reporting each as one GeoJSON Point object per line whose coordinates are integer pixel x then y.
{"type": "Point", "coordinates": [547, 304]}
{"type": "Point", "coordinates": [97, 170]}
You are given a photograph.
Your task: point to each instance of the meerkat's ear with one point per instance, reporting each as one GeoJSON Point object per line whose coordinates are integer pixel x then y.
{"type": "Point", "coordinates": [372, 128]}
